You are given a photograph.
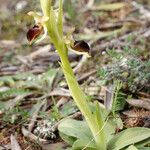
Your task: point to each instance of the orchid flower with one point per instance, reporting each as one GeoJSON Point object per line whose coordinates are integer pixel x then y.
{"type": "Point", "coordinates": [39, 32]}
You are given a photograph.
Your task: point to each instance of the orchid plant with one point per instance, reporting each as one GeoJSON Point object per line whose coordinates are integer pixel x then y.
{"type": "Point", "coordinates": [51, 22]}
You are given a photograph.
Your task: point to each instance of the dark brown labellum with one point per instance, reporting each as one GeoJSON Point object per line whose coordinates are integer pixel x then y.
{"type": "Point", "coordinates": [81, 46]}
{"type": "Point", "coordinates": [34, 32]}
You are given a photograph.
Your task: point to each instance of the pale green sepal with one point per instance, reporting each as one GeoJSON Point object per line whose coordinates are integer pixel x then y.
{"type": "Point", "coordinates": [80, 53]}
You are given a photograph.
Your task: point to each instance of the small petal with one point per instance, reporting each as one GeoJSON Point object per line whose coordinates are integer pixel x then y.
{"type": "Point", "coordinates": [44, 19]}
{"type": "Point", "coordinates": [81, 47]}
{"type": "Point", "coordinates": [34, 33]}
{"type": "Point", "coordinates": [69, 38]}
{"type": "Point", "coordinates": [38, 17]}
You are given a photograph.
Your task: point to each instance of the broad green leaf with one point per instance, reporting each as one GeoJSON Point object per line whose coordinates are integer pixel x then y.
{"type": "Point", "coordinates": [68, 139]}
{"type": "Point", "coordinates": [98, 116]}
{"type": "Point", "coordinates": [100, 123]}
{"type": "Point", "coordinates": [132, 147]}
{"type": "Point", "coordinates": [112, 123]}
{"type": "Point", "coordinates": [110, 129]}
{"type": "Point", "coordinates": [128, 137]}
{"type": "Point", "coordinates": [13, 92]}
{"type": "Point", "coordinates": [144, 148]}
{"type": "Point", "coordinates": [74, 128]}
{"type": "Point", "coordinates": [84, 143]}
{"type": "Point", "coordinates": [143, 143]}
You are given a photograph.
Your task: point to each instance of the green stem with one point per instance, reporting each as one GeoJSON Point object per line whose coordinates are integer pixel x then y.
{"type": "Point", "coordinates": [80, 99]}
{"type": "Point", "coordinates": [46, 5]}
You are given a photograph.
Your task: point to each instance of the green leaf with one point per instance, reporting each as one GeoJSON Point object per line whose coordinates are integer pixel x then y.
{"type": "Point", "coordinates": [128, 137]}
{"type": "Point", "coordinates": [74, 128]}
{"type": "Point", "coordinates": [118, 98]}
{"type": "Point", "coordinates": [144, 148]}
{"type": "Point", "coordinates": [84, 143]}
{"type": "Point", "coordinates": [143, 143]}
{"type": "Point", "coordinates": [76, 133]}
{"type": "Point", "coordinates": [68, 109]}
{"type": "Point", "coordinates": [13, 92]}
{"type": "Point", "coordinates": [99, 119]}
{"type": "Point", "coordinates": [110, 129]}
{"type": "Point", "coordinates": [68, 139]}
{"type": "Point", "coordinates": [112, 123]}
{"type": "Point", "coordinates": [132, 147]}
{"type": "Point", "coordinates": [98, 116]}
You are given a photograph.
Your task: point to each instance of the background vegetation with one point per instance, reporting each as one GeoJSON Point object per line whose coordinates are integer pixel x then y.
{"type": "Point", "coordinates": [34, 96]}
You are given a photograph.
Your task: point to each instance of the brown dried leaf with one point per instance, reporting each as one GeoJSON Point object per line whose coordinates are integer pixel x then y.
{"type": "Point", "coordinates": [139, 103]}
